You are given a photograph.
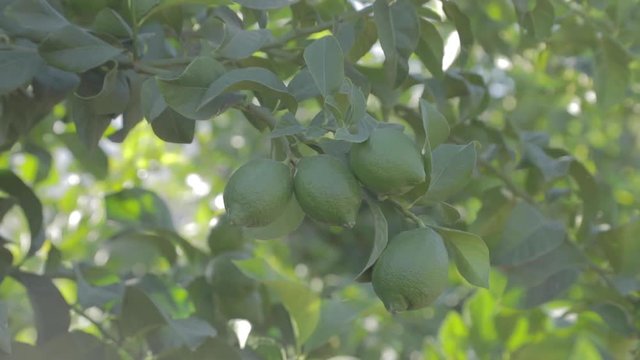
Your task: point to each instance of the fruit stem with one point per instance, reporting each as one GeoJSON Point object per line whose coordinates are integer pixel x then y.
{"type": "Point", "coordinates": [408, 213]}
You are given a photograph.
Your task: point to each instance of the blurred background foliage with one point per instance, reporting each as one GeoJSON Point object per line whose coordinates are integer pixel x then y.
{"type": "Point", "coordinates": [127, 267]}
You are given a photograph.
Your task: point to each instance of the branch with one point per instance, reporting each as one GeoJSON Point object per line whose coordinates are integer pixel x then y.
{"type": "Point", "coordinates": [407, 213]}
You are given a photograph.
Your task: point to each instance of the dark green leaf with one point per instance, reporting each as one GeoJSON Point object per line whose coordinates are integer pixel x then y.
{"type": "Point", "coordinates": [50, 310]}
{"type": "Point", "coordinates": [616, 317]}
{"type": "Point", "coordinates": [38, 17]}
{"type": "Point", "coordinates": [95, 162]}
{"type": "Point", "coordinates": [552, 287]}
{"type": "Point", "coordinates": [265, 4]}
{"type": "Point", "coordinates": [138, 207]}
{"type": "Point", "coordinates": [434, 123]}
{"type": "Point", "coordinates": [325, 61]}
{"type": "Point", "coordinates": [173, 127]}
{"type": "Point", "coordinates": [398, 26]}
{"type": "Point", "coordinates": [470, 254]}
{"type": "Point", "coordinates": [73, 49]}
{"type": "Point", "coordinates": [335, 318]}
{"type": "Point", "coordinates": [287, 125]}
{"type": "Point", "coordinates": [463, 26]}
{"type": "Point", "coordinates": [110, 22]}
{"type": "Point", "coordinates": [89, 126]}
{"type": "Point", "coordinates": [302, 86]}
{"type": "Point", "coordinates": [17, 67]}
{"type": "Point", "coordinates": [381, 237]}
{"type": "Point", "coordinates": [621, 247]}
{"type": "Point", "coordinates": [243, 43]}
{"type": "Point", "coordinates": [190, 332]}
{"type": "Point", "coordinates": [550, 168]}
{"type": "Point", "coordinates": [78, 346]}
{"type": "Point", "coordinates": [612, 72]}
{"type": "Point", "coordinates": [30, 204]}
{"type": "Point", "coordinates": [5, 334]}
{"type": "Point", "coordinates": [535, 272]}
{"type": "Point", "coordinates": [249, 78]}
{"type": "Point", "coordinates": [527, 235]}
{"type": "Point", "coordinates": [139, 313]}
{"type": "Point", "coordinates": [90, 295]}
{"type": "Point", "coordinates": [430, 48]}
{"type": "Point", "coordinates": [451, 170]}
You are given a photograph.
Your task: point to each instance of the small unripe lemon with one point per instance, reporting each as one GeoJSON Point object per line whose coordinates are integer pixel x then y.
{"type": "Point", "coordinates": [389, 162]}
{"type": "Point", "coordinates": [412, 270]}
{"type": "Point", "coordinates": [258, 192]}
{"type": "Point", "coordinates": [225, 236]}
{"type": "Point", "coordinates": [327, 191]}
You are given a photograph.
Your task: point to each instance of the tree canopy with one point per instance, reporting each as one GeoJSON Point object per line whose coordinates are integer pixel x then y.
{"type": "Point", "coordinates": [122, 121]}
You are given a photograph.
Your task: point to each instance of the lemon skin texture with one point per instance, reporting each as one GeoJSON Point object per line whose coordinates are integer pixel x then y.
{"type": "Point", "coordinates": [327, 191]}
{"type": "Point", "coordinates": [389, 162]}
{"type": "Point", "coordinates": [258, 192]}
{"type": "Point", "coordinates": [412, 271]}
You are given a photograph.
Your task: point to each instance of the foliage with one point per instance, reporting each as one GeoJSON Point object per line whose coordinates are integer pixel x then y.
{"type": "Point", "coordinates": [122, 120]}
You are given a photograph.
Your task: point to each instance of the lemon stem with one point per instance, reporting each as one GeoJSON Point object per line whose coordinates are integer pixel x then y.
{"type": "Point", "coordinates": [408, 213]}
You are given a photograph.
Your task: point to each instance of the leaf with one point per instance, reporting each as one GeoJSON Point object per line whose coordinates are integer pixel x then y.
{"type": "Point", "coordinates": [89, 295]}
{"type": "Point", "coordinates": [335, 318]}
{"type": "Point", "coordinates": [51, 311]}
{"type": "Point", "coordinates": [612, 72]}
{"type": "Point", "coordinates": [452, 166]}
{"type": "Point", "coordinates": [138, 207]}
{"type": "Point", "coordinates": [463, 26]}
{"type": "Point", "coordinates": [78, 345]}
{"type": "Point", "coordinates": [536, 22]}
{"type": "Point", "coordinates": [17, 67]}
{"type": "Point", "coordinates": [185, 93]}
{"type": "Point", "coordinates": [621, 246]}
{"type": "Point", "coordinates": [94, 162]}
{"type": "Point", "coordinates": [30, 204]}
{"type": "Point", "coordinates": [286, 223]}
{"type": "Point", "coordinates": [73, 49]}
{"type": "Point", "coordinates": [6, 261]}
{"type": "Point", "coordinates": [265, 4]}
{"type": "Point", "coordinates": [535, 272]}
{"type": "Point", "coordinates": [110, 22]}
{"type": "Point", "coordinates": [616, 317]}
{"type": "Point", "coordinates": [172, 127]}
{"type": "Point", "coordinates": [243, 43]}
{"type": "Point", "coordinates": [139, 313]}
{"type": "Point", "coordinates": [527, 235]}
{"type": "Point", "coordinates": [551, 288]}
{"type": "Point", "coordinates": [302, 86]}
{"type": "Point", "coordinates": [381, 237]}
{"type": "Point", "coordinates": [286, 125]}
{"type": "Point", "coordinates": [5, 334]}
{"type": "Point", "coordinates": [434, 123]}
{"type": "Point", "coordinates": [363, 128]}
{"type": "Point", "coordinates": [325, 61]}
{"type": "Point", "coordinates": [215, 348]}
{"type": "Point", "coordinates": [89, 126]}
{"type": "Point", "coordinates": [550, 168]}
{"type": "Point", "coordinates": [249, 78]}
{"type": "Point", "coordinates": [190, 332]}
{"type": "Point", "coordinates": [36, 16]}
{"type": "Point", "coordinates": [430, 47]}
{"type": "Point", "coordinates": [398, 26]}
{"type": "Point", "coordinates": [470, 253]}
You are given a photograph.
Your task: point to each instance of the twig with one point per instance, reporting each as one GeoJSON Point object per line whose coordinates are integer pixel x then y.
{"type": "Point", "coordinates": [407, 213]}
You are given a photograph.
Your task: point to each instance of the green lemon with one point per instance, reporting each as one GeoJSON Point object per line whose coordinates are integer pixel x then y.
{"type": "Point", "coordinates": [258, 192]}
{"type": "Point", "coordinates": [389, 162]}
{"type": "Point", "coordinates": [225, 276]}
{"type": "Point", "coordinates": [225, 236]}
{"type": "Point", "coordinates": [326, 190]}
{"type": "Point", "coordinates": [412, 271]}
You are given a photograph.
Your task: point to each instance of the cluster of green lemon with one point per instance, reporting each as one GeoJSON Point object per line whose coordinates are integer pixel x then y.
{"type": "Point", "coordinates": [412, 270]}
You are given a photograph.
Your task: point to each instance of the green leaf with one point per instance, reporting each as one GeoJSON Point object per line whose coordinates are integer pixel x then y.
{"type": "Point", "coordinates": [616, 317]}
{"type": "Point", "coordinates": [89, 126]}
{"type": "Point", "coordinates": [36, 16]}
{"type": "Point", "coordinates": [17, 67]}
{"type": "Point", "coordinates": [551, 288]}
{"type": "Point", "coordinates": [190, 332]}
{"type": "Point", "coordinates": [621, 246]}
{"type": "Point", "coordinates": [79, 345]}
{"type": "Point", "coordinates": [381, 237]}
{"type": "Point", "coordinates": [451, 170]}
{"type": "Point", "coordinates": [612, 72]}
{"type": "Point", "coordinates": [216, 348]}
{"type": "Point", "coordinates": [434, 123]}
{"type": "Point", "coordinates": [94, 162]}
{"type": "Point", "coordinates": [302, 86]}
{"type": "Point", "coordinates": [470, 254]}
{"type": "Point", "coordinates": [265, 4]}
{"type": "Point", "coordinates": [535, 272]}
{"type": "Point", "coordinates": [335, 318]}
{"type": "Point", "coordinates": [463, 26]}
{"type": "Point", "coordinates": [139, 313]}
{"type": "Point", "coordinates": [172, 127]}
{"type": "Point", "coordinates": [325, 61]}
{"type": "Point", "coordinates": [6, 261]}
{"type": "Point", "coordinates": [138, 207]}
{"type": "Point", "coordinates": [51, 311]}
{"type": "Point", "coordinates": [105, 93]}
{"type": "Point", "coordinates": [286, 223]}
{"type": "Point", "coordinates": [249, 78]}
{"type": "Point", "coordinates": [286, 125]}
{"type": "Point", "coordinates": [536, 22]}
{"type": "Point", "coordinates": [243, 43]}
{"type": "Point", "coordinates": [110, 22]}
{"type": "Point", "coordinates": [30, 204]}
{"type": "Point", "coordinates": [398, 26]}
{"type": "Point", "coordinates": [5, 334]}
{"type": "Point", "coordinates": [153, 103]}
{"type": "Point", "coordinates": [89, 295]}
{"type": "Point", "coordinates": [73, 49]}
{"type": "Point", "coordinates": [185, 93]}
{"type": "Point", "coordinates": [430, 47]}
{"type": "Point", "coordinates": [551, 168]}
{"type": "Point", "coordinates": [527, 235]}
